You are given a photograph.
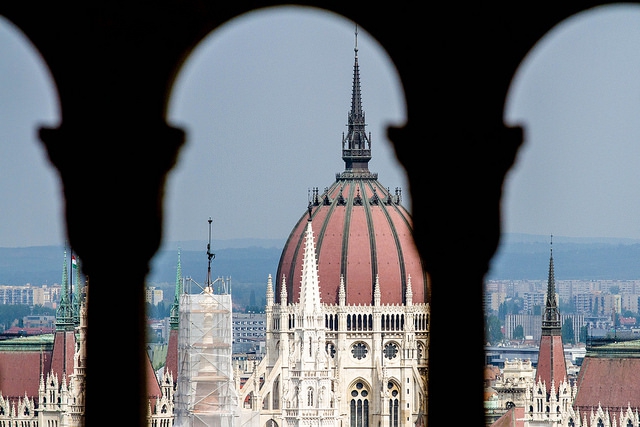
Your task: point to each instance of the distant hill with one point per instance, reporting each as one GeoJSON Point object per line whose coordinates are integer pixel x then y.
{"type": "Point", "coordinates": [245, 264]}
{"type": "Point", "coordinates": [249, 261]}
{"type": "Point", "coordinates": [522, 256]}
{"type": "Point", "coordinates": [37, 265]}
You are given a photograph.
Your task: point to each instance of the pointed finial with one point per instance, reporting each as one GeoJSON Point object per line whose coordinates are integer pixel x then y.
{"type": "Point", "coordinates": [269, 291]}
{"type": "Point", "coordinates": [356, 46]}
{"type": "Point", "coordinates": [283, 292]}
{"type": "Point", "coordinates": [409, 292]}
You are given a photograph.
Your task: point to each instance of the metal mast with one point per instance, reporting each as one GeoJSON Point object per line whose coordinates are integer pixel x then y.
{"type": "Point", "coordinates": [210, 256]}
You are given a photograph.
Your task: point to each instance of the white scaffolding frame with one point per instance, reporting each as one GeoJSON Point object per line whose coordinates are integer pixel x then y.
{"type": "Point", "coordinates": [206, 394]}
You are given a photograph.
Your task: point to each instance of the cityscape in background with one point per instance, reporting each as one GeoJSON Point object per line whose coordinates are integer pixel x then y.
{"type": "Point", "coordinates": [596, 307]}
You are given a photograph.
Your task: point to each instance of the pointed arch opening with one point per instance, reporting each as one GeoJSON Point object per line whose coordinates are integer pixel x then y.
{"type": "Point", "coordinates": [264, 101]}
{"type": "Point", "coordinates": [359, 395]}
{"type": "Point", "coordinates": [576, 96]}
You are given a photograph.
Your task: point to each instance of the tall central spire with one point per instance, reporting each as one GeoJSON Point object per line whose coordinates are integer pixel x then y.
{"type": "Point", "coordinates": [356, 144]}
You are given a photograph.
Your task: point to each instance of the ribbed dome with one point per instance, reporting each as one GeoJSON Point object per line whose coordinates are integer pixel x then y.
{"type": "Point", "coordinates": [362, 231]}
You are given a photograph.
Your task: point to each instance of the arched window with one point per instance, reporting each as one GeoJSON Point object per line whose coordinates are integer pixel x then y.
{"type": "Point", "coordinates": [276, 394]}
{"type": "Point", "coordinates": [359, 405]}
{"type": "Point", "coordinates": [394, 403]}
{"type": "Point", "coordinates": [310, 397]}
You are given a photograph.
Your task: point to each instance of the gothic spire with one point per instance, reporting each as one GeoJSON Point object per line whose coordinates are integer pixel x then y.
{"type": "Point", "coordinates": [551, 323]}
{"type": "Point", "coordinates": [174, 313]}
{"type": "Point", "coordinates": [310, 289]}
{"type": "Point", "coordinates": [64, 314]}
{"type": "Point", "coordinates": [552, 369]}
{"type": "Point", "coordinates": [356, 145]}
{"type": "Point", "coordinates": [77, 290]}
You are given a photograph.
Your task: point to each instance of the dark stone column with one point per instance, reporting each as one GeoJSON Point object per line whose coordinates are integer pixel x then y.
{"type": "Point", "coordinates": [113, 190]}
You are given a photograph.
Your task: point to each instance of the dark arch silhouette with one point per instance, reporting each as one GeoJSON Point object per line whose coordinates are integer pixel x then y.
{"type": "Point", "coordinates": [114, 63]}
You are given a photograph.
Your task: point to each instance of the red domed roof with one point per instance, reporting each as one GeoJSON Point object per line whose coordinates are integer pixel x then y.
{"type": "Point", "coordinates": [362, 232]}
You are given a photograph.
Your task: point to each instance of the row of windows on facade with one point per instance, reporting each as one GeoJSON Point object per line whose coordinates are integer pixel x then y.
{"type": "Point", "coordinates": [29, 295]}
{"type": "Point", "coordinates": [364, 322]}
{"type": "Point", "coordinates": [564, 288]}
{"type": "Point", "coordinates": [580, 302]}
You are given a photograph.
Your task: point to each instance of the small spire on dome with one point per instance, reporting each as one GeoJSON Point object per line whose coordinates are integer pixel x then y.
{"type": "Point", "coordinates": [409, 292]}
{"type": "Point", "coordinates": [283, 292]}
{"type": "Point", "coordinates": [269, 291]}
{"type": "Point", "coordinates": [376, 291]}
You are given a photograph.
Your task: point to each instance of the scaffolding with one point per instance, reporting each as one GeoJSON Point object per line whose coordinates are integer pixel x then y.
{"type": "Point", "coordinates": [206, 394]}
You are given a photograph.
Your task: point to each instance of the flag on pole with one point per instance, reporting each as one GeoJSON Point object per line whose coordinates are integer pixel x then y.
{"type": "Point", "coordinates": [74, 263]}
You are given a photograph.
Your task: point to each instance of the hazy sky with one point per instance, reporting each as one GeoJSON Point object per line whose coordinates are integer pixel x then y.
{"type": "Point", "coordinates": [578, 92]}
{"type": "Point", "coordinates": [264, 101]}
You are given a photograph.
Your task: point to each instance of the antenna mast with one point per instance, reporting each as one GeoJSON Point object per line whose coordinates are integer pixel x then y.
{"type": "Point", "coordinates": [210, 256]}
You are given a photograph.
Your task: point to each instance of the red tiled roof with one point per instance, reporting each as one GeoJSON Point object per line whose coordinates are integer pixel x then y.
{"type": "Point", "coordinates": [491, 372]}
{"type": "Point", "coordinates": [153, 387]}
{"type": "Point", "coordinates": [20, 372]}
{"type": "Point", "coordinates": [171, 364]}
{"type": "Point", "coordinates": [551, 364]}
{"type": "Point", "coordinates": [20, 369]}
{"type": "Point", "coordinates": [64, 347]}
{"type": "Point", "coordinates": [610, 382]}
{"type": "Point", "coordinates": [514, 417]}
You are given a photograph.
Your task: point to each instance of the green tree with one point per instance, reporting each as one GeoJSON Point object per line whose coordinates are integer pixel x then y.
{"type": "Point", "coordinates": [493, 329]}
{"type": "Point", "coordinates": [583, 333]}
{"type": "Point", "coordinates": [568, 335]}
{"type": "Point", "coordinates": [13, 314]}
{"type": "Point", "coordinates": [510, 306]}
{"type": "Point", "coordinates": [518, 332]}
